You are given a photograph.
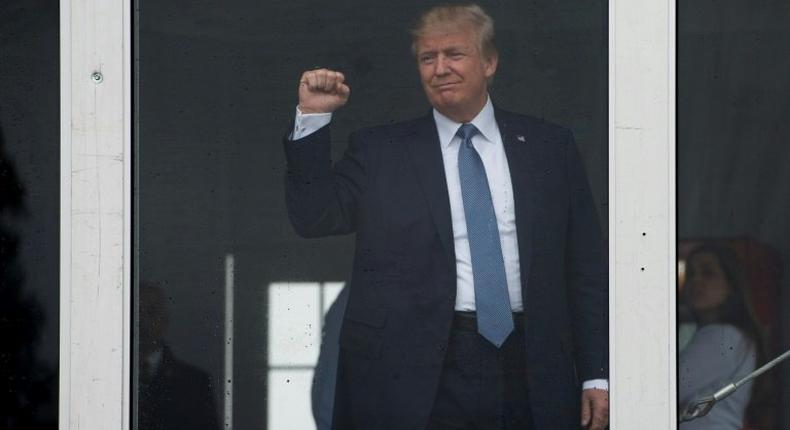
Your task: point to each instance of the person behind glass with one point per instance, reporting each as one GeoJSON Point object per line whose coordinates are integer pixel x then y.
{"type": "Point", "coordinates": [172, 394]}
{"type": "Point", "coordinates": [478, 297]}
{"type": "Point", "coordinates": [726, 345]}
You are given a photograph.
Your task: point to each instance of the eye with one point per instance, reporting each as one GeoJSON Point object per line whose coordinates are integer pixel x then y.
{"type": "Point", "coordinates": [426, 59]}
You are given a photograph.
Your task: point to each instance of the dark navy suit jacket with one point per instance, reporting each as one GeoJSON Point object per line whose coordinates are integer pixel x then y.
{"type": "Point", "coordinates": [390, 189]}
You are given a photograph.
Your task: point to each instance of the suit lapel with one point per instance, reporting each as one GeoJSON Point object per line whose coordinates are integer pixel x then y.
{"type": "Point", "coordinates": [521, 159]}
{"type": "Point", "coordinates": [426, 156]}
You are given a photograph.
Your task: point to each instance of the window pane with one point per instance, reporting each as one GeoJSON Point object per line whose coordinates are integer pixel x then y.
{"type": "Point", "coordinates": [294, 324]}
{"type": "Point", "coordinates": [256, 343]}
{"type": "Point", "coordinates": [29, 214]}
{"type": "Point", "coordinates": [289, 399]}
{"type": "Point", "coordinates": [733, 216]}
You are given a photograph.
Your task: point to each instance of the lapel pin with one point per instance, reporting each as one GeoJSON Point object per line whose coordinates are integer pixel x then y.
{"type": "Point", "coordinates": [521, 138]}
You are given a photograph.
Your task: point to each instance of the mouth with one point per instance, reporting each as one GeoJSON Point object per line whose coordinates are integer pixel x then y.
{"type": "Point", "coordinates": [446, 86]}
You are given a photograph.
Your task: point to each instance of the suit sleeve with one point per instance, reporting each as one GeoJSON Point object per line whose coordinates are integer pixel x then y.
{"type": "Point", "coordinates": [586, 267]}
{"type": "Point", "coordinates": [323, 199]}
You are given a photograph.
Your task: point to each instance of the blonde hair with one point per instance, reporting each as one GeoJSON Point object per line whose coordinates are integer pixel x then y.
{"type": "Point", "coordinates": [451, 17]}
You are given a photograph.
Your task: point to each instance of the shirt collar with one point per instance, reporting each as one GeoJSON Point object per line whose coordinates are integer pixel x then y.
{"type": "Point", "coordinates": [484, 121]}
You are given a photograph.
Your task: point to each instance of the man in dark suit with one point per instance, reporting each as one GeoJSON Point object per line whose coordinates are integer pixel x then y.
{"type": "Point", "coordinates": [478, 297]}
{"type": "Point", "coordinates": [172, 394]}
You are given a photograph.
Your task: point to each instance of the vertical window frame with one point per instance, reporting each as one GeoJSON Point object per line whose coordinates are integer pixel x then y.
{"type": "Point", "coordinates": [642, 213]}
{"type": "Point", "coordinates": [95, 214]}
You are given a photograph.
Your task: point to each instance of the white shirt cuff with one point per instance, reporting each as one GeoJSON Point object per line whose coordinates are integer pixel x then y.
{"type": "Point", "coordinates": [600, 384]}
{"type": "Point", "coordinates": [306, 124]}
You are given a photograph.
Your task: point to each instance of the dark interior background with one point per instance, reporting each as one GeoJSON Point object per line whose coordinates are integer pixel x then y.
{"type": "Point", "coordinates": [733, 104]}
{"type": "Point", "coordinates": [217, 88]}
{"type": "Point", "coordinates": [29, 213]}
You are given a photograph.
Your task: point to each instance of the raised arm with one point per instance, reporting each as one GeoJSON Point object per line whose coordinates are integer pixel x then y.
{"type": "Point", "coordinates": [322, 199]}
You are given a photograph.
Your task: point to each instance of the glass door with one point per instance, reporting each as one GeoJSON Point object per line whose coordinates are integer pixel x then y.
{"type": "Point", "coordinates": [733, 216]}
{"type": "Point", "coordinates": [237, 317]}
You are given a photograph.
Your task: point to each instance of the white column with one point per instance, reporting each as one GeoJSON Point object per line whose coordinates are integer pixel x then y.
{"type": "Point", "coordinates": [95, 214]}
{"type": "Point", "coordinates": [642, 213]}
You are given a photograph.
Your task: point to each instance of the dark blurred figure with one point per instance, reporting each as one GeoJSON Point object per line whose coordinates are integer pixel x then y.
{"type": "Point", "coordinates": [172, 393]}
{"type": "Point", "coordinates": [726, 346]}
{"type": "Point", "coordinates": [325, 376]}
{"type": "Point", "coordinates": [27, 386]}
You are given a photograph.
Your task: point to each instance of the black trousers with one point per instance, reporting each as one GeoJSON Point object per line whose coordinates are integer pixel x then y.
{"type": "Point", "coordinates": [482, 387]}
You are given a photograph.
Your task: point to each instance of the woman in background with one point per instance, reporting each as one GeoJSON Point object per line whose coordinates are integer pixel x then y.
{"type": "Point", "coordinates": [727, 344]}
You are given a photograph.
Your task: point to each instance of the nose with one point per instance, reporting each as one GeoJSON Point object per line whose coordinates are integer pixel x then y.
{"type": "Point", "coordinates": [442, 65]}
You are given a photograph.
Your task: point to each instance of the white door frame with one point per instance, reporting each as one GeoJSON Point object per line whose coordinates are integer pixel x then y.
{"type": "Point", "coordinates": [96, 217]}
{"type": "Point", "coordinates": [642, 230]}
{"type": "Point", "coordinates": [95, 203]}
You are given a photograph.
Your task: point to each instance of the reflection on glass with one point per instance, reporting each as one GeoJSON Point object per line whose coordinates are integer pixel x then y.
{"type": "Point", "coordinates": [297, 314]}
{"type": "Point", "coordinates": [29, 214]}
{"type": "Point", "coordinates": [172, 393]}
{"type": "Point", "coordinates": [27, 384]}
{"type": "Point", "coordinates": [724, 339]}
{"type": "Point", "coordinates": [733, 190]}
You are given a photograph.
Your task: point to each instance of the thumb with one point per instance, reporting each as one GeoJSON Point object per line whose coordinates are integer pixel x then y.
{"type": "Point", "coordinates": [586, 413]}
{"type": "Point", "coordinates": [342, 89]}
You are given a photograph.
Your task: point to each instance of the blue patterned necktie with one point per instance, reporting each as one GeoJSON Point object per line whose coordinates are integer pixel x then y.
{"type": "Point", "coordinates": [494, 317]}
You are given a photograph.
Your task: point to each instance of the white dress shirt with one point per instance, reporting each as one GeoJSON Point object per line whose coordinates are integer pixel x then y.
{"type": "Point", "coordinates": [488, 143]}
{"type": "Point", "coordinates": [716, 355]}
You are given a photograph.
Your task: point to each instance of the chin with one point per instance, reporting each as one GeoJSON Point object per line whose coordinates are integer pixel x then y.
{"type": "Point", "coordinates": [448, 103]}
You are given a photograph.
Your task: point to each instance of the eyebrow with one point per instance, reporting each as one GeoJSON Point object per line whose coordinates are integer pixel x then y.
{"type": "Point", "coordinates": [449, 50]}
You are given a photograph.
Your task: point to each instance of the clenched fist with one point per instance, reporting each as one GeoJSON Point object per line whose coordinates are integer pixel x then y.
{"type": "Point", "coordinates": [322, 91]}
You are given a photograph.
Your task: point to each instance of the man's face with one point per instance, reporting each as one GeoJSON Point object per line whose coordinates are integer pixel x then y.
{"type": "Point", "coordinates": [454, 73]}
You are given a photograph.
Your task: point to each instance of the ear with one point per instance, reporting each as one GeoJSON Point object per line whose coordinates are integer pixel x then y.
{"type": "Point", "coordinates": [489, 65]}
